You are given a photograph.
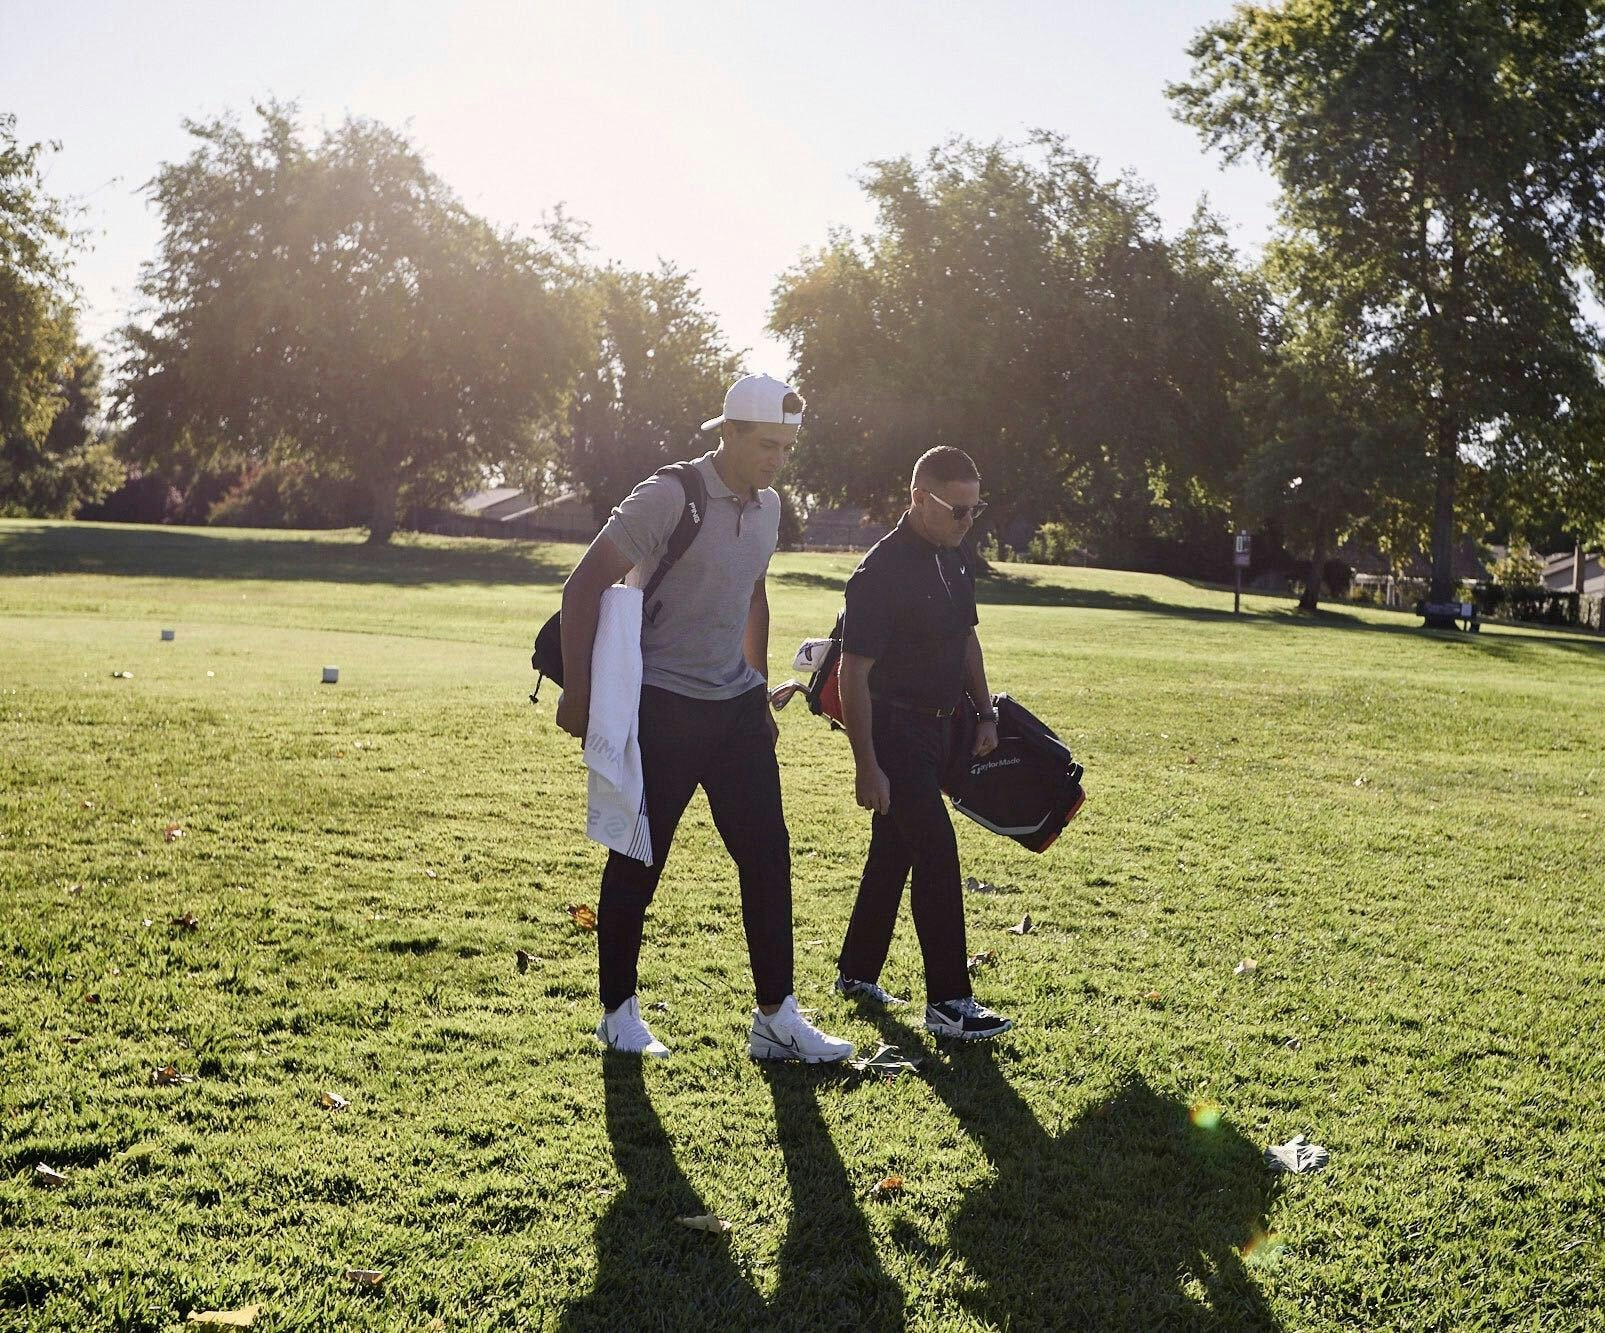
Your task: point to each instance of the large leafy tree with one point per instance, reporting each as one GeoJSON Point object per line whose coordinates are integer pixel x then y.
{"type": "Point", "coordinates": [332, 303]}
{"type": "Point", "coordinates": [1442, 196]}
{"type": "Point", "coordinates": [1324, 438]}
{"type": "Point", "coordinates": [1012, 302]}
{"type": "Point", "coordinates": [51, 454]}
{"type": "Point", "coordinates": [658, 367]}
{"type": "Point", "coordinates": [73, 463]}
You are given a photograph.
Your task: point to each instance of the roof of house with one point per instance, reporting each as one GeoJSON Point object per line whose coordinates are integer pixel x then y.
{"type": "Point", "coordinates": [482, 500]}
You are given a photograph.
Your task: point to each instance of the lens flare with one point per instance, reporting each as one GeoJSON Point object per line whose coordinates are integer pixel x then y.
{"type": "Point", "coordinates": [1262, 1249]}
{"type": "Point", "coordinates": [1206, 1115]}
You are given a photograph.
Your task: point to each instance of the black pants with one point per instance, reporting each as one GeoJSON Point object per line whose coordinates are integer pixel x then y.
{"type": "Point", "coordinates": [723, 746]}
{"type": "Point", "coordinates": [916, 834]}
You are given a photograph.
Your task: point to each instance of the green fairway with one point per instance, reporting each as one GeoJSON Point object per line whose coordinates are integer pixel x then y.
{"type": "Point", "coordinates": [1405, 830]}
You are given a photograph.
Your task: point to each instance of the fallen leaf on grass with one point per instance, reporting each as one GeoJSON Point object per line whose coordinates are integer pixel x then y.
{"type": "Point", "coordinates": [147, 922]}
{"type": "Point", "coordinates": [168, 1077]}
{"type": "Point", "coordinates": [172, 833]}
{"type": "Point", "coordinates": [1024, 928]}
{"type": "Point", "coordinates": [1153, 997]}
{"type": "Point", "coordinates": [888, 1185]}
{"type": "Point", "coordinates": [705, 1222]}
{"type": "Point", "coordinates": [48, 1177]}
{"type": "Point", "coordinates": [1361, 781]}
{"type": "Point", "coordinates": [333, 1100]}
{"type": "Point", "coordinates": [365, 1277]}
{"type": "Point", "coordinates": [92, 998]}
{"type": "Point", "coordinates": [1293, 1044]}
{"type": "Point", "coordinates": [1191, 759]}
{"type": "Point", "coordinates": [122, 675]}
{"type": "Point", "coordinates": [973, 885]}
{"type": "Point", "coordinates": [244, 1317]}
{"type": "Point", "coordinates": [662, 1006]}
{"type": "Point", "coordinates": [1297, 1155]}
{"type": "Point", "coordinates": [75, 889]}
{"type": "Point", "coordinates": [431, 874]}
{"type": "Point", "coordinates": [86, 805]}
{"type": "Point", "coordinates": [189, 921]}
{"type": "Point", "coordinates": [887, 1060]}
{"type": "Point", "coordinates": [1246, 968]}
{"type": "Point", "coordinates": [582, 916]}
{"type": "Point", "coordinates": [521, 958]}
{"type": "Point", "coordinates": [987, 959]}
{"type": "Point", "coordinates": [72, 1039]}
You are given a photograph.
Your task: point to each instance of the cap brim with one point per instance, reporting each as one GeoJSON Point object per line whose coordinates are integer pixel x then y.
{"type": "Point", "coordinates": [712, 422]}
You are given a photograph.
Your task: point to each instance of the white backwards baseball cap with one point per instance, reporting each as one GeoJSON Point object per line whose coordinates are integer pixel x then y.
{"type": "Point", "coordinates": [760, 398]}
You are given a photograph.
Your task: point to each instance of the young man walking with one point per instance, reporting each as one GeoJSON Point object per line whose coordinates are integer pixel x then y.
{"type": "Point", "coordinates": [909, 651]}
{"type": "Point", "coordinates": [704, 718]}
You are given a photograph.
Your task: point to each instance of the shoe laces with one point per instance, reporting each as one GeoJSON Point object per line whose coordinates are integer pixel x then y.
{"type": "Point", "coordinates": [866, 990]}
{"type": "Point", "coordinates": [628, 1027]}
{"type": "Point", "coordinates": [970, 1007]}
{"type": "Point", "coordinates": [791, 1019]}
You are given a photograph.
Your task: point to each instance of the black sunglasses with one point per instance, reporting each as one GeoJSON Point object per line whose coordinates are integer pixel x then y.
{"type": "Point", "coordinates": [960, 512]}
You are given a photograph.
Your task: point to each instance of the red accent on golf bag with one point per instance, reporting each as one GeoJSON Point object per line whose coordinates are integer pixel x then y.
{"type": "Point", "coordinates": [824, 689]}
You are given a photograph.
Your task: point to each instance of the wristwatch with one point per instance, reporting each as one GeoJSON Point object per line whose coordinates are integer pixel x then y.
{"type": "Point", "coordinates": [990, 715]}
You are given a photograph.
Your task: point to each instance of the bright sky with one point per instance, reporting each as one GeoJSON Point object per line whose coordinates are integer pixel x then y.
{"type": "Point", "coordinates": [724, 135]}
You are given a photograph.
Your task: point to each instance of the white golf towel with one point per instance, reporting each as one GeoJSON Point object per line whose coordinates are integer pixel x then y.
{"type": "Point", "coordinates": [615, 813]}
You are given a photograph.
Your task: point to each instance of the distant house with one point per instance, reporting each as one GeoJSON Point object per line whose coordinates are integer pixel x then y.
{"type": "Point", "coordinates": [506, 511]}
{"type": "Point", "coordinates": [842, 530]}
{"type": "Point", "coordinates": [1559, 570]}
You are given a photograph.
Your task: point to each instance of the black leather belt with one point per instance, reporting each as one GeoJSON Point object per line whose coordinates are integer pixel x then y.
{"type": "Point", "coordinates": [919, 709]}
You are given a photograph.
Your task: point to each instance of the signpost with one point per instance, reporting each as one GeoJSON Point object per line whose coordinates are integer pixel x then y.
{"type": "Point", "coordinates": [1242, 552]}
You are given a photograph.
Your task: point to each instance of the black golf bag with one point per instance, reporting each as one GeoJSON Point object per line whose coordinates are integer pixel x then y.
{"type": "Point", "coordinates": [1027, 789]}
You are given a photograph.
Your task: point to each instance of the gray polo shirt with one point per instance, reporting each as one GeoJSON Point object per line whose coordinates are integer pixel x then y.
{"type": "Point", "coordinates": [693, 648]}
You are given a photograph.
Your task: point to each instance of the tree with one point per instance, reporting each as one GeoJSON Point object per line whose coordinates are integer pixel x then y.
{"type": "Point", "coordinates": [335, 305]}
{"type": "Point", "coordinates": [1013, 303]}
{"type": "Point", "coordinates": [51, 455]}
{"type": "Point", "coordinates": [658, 368]}
{"type": "Point", "coordinates": [1442, 190]}
{"type": "Point", "coordinates": [1323, 442]}
{"type": "Point", "coordinates": [73, 464]}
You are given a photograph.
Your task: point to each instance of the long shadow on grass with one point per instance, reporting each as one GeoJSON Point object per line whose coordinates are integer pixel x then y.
{"type": "Point", "coordinates": [144, 552]}
{"type": "Point", "coordinates": [1122, 1221]}
{"type": "Point", "coordinates": [651, 1273]}
{"type": "Point", "coordinates": [830, 1274]}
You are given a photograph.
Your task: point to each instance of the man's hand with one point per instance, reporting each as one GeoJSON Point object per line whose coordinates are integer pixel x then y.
{"type": "Point", "coordinates": [573, 714]}
{"type": "Point", "coordinates": [874, 791]}
{"type": "Point", "coordinates": [986, 738]}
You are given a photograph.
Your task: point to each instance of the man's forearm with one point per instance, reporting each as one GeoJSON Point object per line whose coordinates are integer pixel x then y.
{"type": "Point", "coordinates": [755, 639]}
{"type": "Point", "coordinates": [975, 673]}
{"type": "Point", "coordinates": [857, 712]}
{"type": "Point", "coordinates": [582, 609]}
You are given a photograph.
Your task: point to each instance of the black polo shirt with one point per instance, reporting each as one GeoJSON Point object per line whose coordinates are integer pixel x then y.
{"type": "Point", "coordinates": [911, 607]}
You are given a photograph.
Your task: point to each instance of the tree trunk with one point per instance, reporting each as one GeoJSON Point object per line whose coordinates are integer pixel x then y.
{"type": "Point", "coordinates": [1577, 567]}
{"type": "Point", "coordinates": [382, 517]}
{"type": "Point", "coordinates": [1443, 510]}
{"type": "Point", "coordinates": [1312, 585]}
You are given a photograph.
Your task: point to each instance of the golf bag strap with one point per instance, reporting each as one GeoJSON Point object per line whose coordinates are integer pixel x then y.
{"type": "Point", "coordinates": [685, 531]}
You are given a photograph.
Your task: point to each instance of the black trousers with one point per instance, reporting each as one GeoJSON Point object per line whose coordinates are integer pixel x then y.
{"type": "Point", "coordinates": [915, 835]}
{"type": "Point", "coordinates": [723, 746]}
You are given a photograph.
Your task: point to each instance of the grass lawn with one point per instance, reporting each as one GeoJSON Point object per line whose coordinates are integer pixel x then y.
{"type": "Point", "coordinates": [1403, 829]}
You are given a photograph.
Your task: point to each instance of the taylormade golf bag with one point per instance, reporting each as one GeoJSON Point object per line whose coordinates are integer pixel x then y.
{"type": "Point", "coordinates": [1027, 789]}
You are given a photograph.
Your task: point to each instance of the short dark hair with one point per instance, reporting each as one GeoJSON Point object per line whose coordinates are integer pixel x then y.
{"type": "Point", "coordinates": [944, 463]}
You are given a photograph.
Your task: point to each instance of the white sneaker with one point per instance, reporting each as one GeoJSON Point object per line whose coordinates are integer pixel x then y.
{"type": "Point", "coordinates": [622, 1030]}
{"type": "Point", "coordinates": [787, 1035]}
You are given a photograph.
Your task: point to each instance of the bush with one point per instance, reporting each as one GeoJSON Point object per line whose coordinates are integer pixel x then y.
{"type": "Point", "coordinates": [1054, 544]}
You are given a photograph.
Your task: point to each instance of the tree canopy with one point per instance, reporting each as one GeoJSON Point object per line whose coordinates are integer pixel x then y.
{"type": "Point", "coordinates": [1442, 195]}
{"type": "Point", "coordinates": [1013, 303]}
{"type": "Point", "coordinates": [332, 303]}
{"type": "Point", "coordinates": [658, 367]}
{"type": "Point", "coordinates": [53, 455]}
